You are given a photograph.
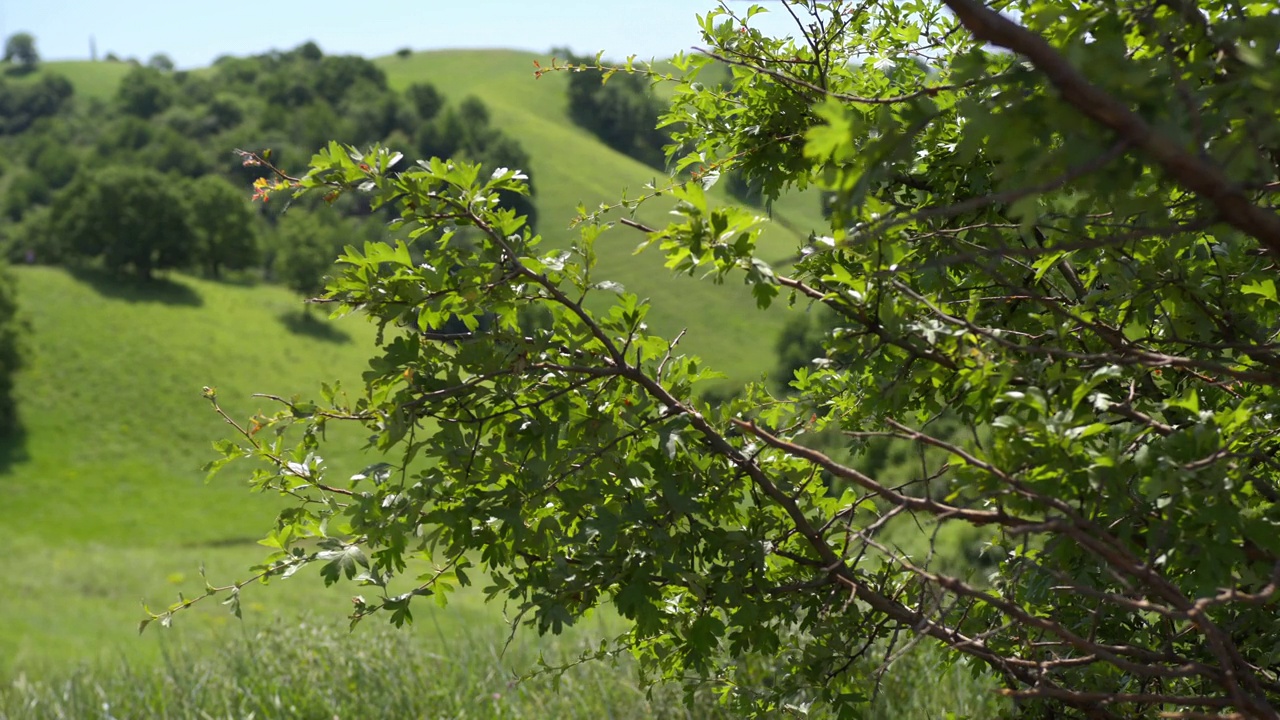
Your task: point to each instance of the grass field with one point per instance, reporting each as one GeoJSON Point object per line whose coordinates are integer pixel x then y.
{"type": "Point", "coordinates": [104, 500]}
{"type": "Point", "coordinates": [97, 80]}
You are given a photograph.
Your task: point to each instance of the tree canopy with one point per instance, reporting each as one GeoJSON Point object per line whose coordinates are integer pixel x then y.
{"type": "Point", "coordinates": [128, 216]}
{"type": "Point", "coordinates": [1051, 266]}
{"type": "Point", "coordinates": [20, 49]}
{"type": "Point", "coordinates": [222, 223]}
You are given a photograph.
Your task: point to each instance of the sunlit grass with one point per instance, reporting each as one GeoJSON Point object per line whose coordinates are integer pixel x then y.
{"type": "Point", "coordinates": [317, 670]}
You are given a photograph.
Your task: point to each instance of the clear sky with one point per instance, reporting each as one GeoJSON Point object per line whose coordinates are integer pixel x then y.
{"type": "Point", "coordinates": [194, 33]}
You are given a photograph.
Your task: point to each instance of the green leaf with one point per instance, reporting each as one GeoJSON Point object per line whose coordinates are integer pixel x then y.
{"type": "Point", "coordinates": [1265, 288]}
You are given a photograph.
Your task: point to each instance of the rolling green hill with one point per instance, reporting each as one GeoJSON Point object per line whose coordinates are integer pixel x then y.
{"type": "Point", "coordinates": [97, 80]}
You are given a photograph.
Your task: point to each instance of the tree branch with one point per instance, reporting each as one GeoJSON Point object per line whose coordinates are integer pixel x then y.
{"type": "Point", "coordinates": [1194, 173]}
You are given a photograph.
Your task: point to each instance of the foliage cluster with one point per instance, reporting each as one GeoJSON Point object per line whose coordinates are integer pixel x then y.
{"type": "Point", "coordinates": [20, 53]}
{"type": "Point", "coordinates": [1054, 233]}
{"type": "Point", "coordinates": [22, 103]}
{"type": "Point", "coordinates": [619, 108]}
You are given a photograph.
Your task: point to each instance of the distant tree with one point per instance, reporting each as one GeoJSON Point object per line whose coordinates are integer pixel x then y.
{"type": "Point", "coordinates": [306, 249]}
{"type": "Point", "coordinates": [161, 62]}
{"type": "Point", "coordinates": [225, 111]}
{"type": "Point", "coordinates": [23, 103]}
{"type": "Point", "coordinates": [172, 152]}
{"type": "Point", "coordinates": [145, 92]}
{"type": "Point", "coordinates": [310, 51]}
{"type": "Point", "coordinates": [426, 99]}
{"type": "Point", "coordinates": [404, 53]}
{"type": "Point", "coordinates": [129, 216]}
{"type": "Point", "coordinates": [622, 112]}
{"type": "Point", "coordinates": [237, 71]}
{"type": "Point", "coordinates": [20, 49]}
{"type": "Point", "coordinates": [373, 114]}
{"type": "Point", "coordinates": [55, 163]}
{"type": "Point", "coordinates": [223, 225]}
{"type": "Point", "coordinates": [337, 75]}
{"type": "Point", "coordinates": [286, 91]}
{"type": "Point", "coordinates": [31, 240]}
{"type": "Point", "coordinates": [26, 190]}
{"type": "Point", "coordinates": [124, 136]}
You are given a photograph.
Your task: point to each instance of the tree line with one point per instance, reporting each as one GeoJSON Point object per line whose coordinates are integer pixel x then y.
{"type": "Point", "coordinates": [147, 180]}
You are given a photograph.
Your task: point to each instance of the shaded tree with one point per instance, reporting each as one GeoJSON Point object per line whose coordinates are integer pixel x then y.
{"type": "Point", "coordinates": [172, 152]}
{"type": "Point", "coordinates": [145, 92]}
{"type": "Point", "coordinates": [622, 112]}
{"type": "Point", "coordinates": [20, 49]}
{"type": "Point", "coordinates": [13, 334]}
{"type": "Point", "coordinates": [24, 103]}
{"type": "Point", "coordinates": [223, 225]}
{"type": "Point", "coordinates": [160, 62]}
{"type": "Point", "coordinates": [129, 217]}
{"type": "Point", "coordinates": [426, 99]}
{"type": "Point", "coordinates": [336, 75]}
{"type": "Point", "coordinates": [26, 190]}
{"type": "Point", "coordinates": [55, 162]}
{"type": "Point", "coordinates": [306, 248]}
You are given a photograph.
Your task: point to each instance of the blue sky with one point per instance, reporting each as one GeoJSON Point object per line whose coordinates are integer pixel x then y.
{"type": "Point", "coordinates": [194, 33]}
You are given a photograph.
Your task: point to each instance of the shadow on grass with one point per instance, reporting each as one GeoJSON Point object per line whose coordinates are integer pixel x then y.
{"type": "Point", "coordinates": [134, 289]}
{"type": "Point", "coordinates": [237, 278]}
{"type": "Point", "coordinates": [13, 446]}
{"type": "Point", "coordinates": [308, 325]}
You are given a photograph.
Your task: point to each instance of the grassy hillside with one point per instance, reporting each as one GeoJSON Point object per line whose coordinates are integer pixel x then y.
{"type": "Point", "coordinates": [97, 80]}
{"type": "Point", "coordinates": [104, 500]}
{"type": "Point", "coordinates": [111, 400]}
{"type": "Point", "coordinates": [104, 503]}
